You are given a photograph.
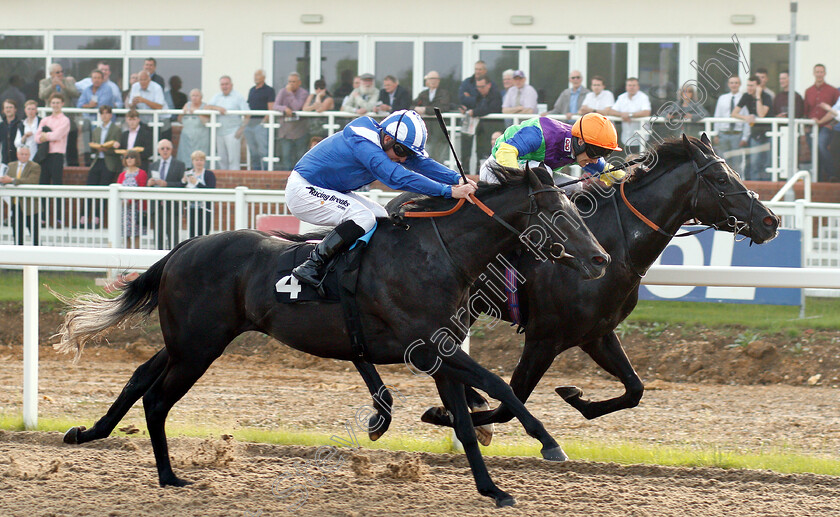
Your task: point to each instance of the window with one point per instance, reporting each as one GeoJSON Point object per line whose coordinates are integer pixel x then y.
{"type": "Point", "coordinates": [79, 68]}
{"type": "Point", "coordinates": [291, 56]}
{"type": "Point", "coordinates": [339, 65]}
{"type": "Point", "coordinates": [395, 58]}
{"type": "Point", "coordinates": [549, 73]}
{"type": "Point", "coordinates": [23, 73]}
{"type": "Point", "coordinates": [659, 72]}
{"type": "Point", "coordinates": [163, 42]}
{"type": "Point", "coordinates": [609, 60]}
{"type": "Point", "coordinates": [445, 58]}
{"type": "Point", "coordinates": [773, 57]}
{"type": "Point", "coordinates": [91, 42]}
{"type": "Point", "coordinates": [188, 69]}
{"type": "Point", "coordinates": [8, 42]}
{"type": "Point", "coordinates": [498, 61]}
{"type": "Point", "coordinates": [716, 62]}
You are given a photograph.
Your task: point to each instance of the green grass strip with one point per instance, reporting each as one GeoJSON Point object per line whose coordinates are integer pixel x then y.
{"type": "Point", "coordinates": [625, 453]}
{"type": "Point", "coordinates": [63, 282]}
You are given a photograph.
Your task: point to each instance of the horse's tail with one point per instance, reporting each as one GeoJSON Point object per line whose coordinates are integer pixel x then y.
{"type": "Point", "coordinates": [91, 314]}
{"type": "Point", "coordinates": [317, 235]}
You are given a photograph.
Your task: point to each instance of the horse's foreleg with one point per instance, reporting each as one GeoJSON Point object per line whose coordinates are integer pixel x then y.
{"type": "Point", "coordinates": [383, 402]}
{"type": "Point", "coordinates": [136, 386]}
{"type": "Point", "coordinates": [610, 356]}
{"type": "Point", "coordinates": [537, 357]}
{"type": "Point", "coordinates": [452, 395]}
{"type": "Point", "coordinates": [466, 370]}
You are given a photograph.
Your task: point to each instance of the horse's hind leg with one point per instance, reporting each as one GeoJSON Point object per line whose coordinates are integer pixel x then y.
{"type": "Point", "coordinates": [452, 395]}
{"type": "Point", "coordinates": [178, 377]}
{"type": "Point", "coordinates": [610, 356]}
{"type": "Point", "coordinates": [139, 383]}
{"type": "Point", "coordinates": [382, 399]}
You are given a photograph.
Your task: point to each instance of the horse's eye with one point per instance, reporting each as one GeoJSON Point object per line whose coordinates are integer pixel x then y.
{"type": "Point", "coordinates": [722, 180]}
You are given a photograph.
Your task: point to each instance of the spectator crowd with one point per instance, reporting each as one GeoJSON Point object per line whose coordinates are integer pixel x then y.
{"type": "Point", "coordinates": [36, 149]}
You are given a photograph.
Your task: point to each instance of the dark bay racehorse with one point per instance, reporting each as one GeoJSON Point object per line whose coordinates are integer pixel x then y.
{"type": "Point", "coordinates": [686, 181]}
{"type": "Point", "coordinates": [210, 289]}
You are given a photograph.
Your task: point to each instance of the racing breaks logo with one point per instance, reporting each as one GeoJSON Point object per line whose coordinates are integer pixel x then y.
{"type": "Point", "coordinates": [343, 203]}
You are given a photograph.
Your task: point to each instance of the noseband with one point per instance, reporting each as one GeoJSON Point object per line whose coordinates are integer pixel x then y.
{"type": "Point", "coordinates": [729, 221]}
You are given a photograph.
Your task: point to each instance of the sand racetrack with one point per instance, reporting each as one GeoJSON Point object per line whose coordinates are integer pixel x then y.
{"type": "Point", "coordinates": [41, 476]}
{"type": "Point", "coordinates": [115, 477]}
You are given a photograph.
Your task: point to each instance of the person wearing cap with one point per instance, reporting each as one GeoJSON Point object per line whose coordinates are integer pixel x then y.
{"type": "Point", "coordinates": [543, 139]}
{"type": "Point", "coordinates": [320, 188]}
{"type": "Point", "coordinates": [363, 99]}
{"type": "Point", "coordinates": [521, 97]}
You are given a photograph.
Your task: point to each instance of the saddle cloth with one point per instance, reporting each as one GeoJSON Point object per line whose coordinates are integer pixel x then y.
{"type": "Point", "coordinates": [287, 289]}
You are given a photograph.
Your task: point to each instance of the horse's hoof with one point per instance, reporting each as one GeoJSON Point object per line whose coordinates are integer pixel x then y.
{"type": "Point", "coordinates": [174, 481]}
{"type": "Point", "coordinates": [72, 435]}
{"type": "Point", "coordinates": [437, 416]}
{"type": "Point", "coordinates": [569, 392]}
{"type": "Point", "coordinates": [484, 434]}
{"type": "Point", "coordinates": [375, 435]}
{"type": "Point", "coordinates": [555, 454]}
{"type": "Point", "coordinates": [506, 500]}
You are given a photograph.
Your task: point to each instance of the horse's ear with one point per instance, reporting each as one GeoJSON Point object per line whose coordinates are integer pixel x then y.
{"type": "Point", "coordinates": [533, 180]}
{"type": "Point", "coordinates": [705, 139]}
{"type": "Point", "coordinates": [693, 150]}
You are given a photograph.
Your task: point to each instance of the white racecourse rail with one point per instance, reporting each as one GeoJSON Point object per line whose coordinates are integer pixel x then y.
{"type": "Point", "coordinates": [32, 257]}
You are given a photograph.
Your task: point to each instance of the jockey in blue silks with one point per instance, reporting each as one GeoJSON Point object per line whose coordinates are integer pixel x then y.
{"type": "Point", "coordinates": [319, 190]}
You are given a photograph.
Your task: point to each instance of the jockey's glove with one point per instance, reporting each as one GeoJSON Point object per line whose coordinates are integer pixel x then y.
{"type": "Point", "coordinates": [611, 176]}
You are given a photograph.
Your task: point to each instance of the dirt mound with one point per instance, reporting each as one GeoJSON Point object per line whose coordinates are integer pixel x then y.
{"type": "Point", "coordinates": [209, 452]}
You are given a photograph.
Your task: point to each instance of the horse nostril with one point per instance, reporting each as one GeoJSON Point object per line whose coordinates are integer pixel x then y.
{"type": "Point", "coordinates": [770, 221]}
{"type": "Point", "coordinates": [600, 260]}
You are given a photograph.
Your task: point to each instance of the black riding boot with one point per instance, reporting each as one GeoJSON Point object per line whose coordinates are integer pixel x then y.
{"type": "Point", "coordinates": [342, 236]}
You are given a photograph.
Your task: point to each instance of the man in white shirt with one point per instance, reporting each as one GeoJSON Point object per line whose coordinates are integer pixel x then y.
{"type": "Point", "coordinates": [730, 134]}
{"type": "Point", "coordinates": [629, 105]}
{"type": "Point", "coordinates": [521, 97]}
{"type": "Point", "coordinates": [146, 94]}
{"type": "Point", "coordinates": [229, 133]}
{"type": "Point", "coordinates": [598, 100]}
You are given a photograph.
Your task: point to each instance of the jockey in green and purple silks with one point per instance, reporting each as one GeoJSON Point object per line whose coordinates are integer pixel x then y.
{"type": "Point", "coordinates": [545, 139]}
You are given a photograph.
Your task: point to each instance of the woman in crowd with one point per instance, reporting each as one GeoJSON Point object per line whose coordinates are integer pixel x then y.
{"type": "Point", "coordinates": [26, 135]}
{"type": "Point", "coordinates": [195, 135]}
{"type": "Point", "coordinates": [199, 213]}
{"type": "Point", "coordinates": [321, 100]}
{"type": "Point", "coordinates": [132, 176]}
{"type": "Point", "coordinates": [690, 113]}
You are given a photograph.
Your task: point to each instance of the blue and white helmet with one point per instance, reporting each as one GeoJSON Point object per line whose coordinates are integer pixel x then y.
{"type": "Point", "coordinates": [407, 128]}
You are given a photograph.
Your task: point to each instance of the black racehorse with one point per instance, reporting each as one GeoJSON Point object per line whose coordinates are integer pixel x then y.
{"type": "Point", "coordinates": [210, 289]}
{"type": "Point", "coordinates": [683, 179]}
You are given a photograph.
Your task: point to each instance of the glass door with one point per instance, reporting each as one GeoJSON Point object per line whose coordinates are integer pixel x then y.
{"type": "Point", "coordinates": [546, 67]}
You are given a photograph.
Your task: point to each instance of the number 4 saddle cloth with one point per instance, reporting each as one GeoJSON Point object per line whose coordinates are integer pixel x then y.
{"type": "Point", "coordinates": [287, 289]}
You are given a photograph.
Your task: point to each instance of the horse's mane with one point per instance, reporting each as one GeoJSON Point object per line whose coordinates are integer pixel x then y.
{"type": "Point", "coordinates": [507, 176]}
{"type": "Point", "coordinates": [671, 151]}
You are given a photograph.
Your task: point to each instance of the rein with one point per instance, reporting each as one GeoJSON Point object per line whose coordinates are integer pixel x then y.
{"type": "Point", "coordinates": [730, 221]}
{"type": "Point", "coordinates": [555, 249]}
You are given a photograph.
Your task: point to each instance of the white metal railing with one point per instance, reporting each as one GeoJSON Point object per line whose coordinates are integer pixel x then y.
{"type": "Point", "coordinates": [328, 122]}
{"type": "Point", "coordinates": [805, 177]}
{"type": "Point", "coordinates": [92, 216]}
{"type": "Point", "coordinates": [33, 257]}
{"type": "Point", "coordinates": [173, 210]}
